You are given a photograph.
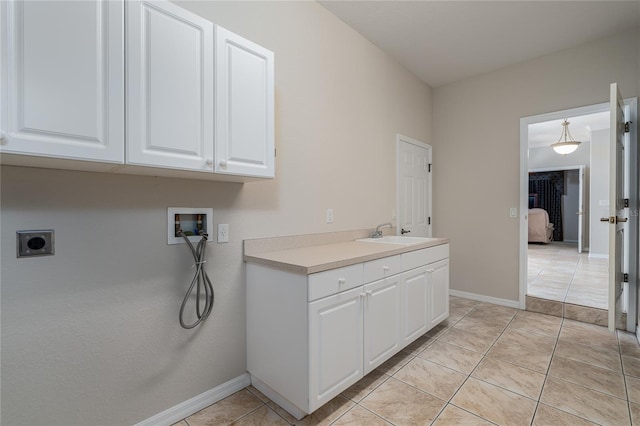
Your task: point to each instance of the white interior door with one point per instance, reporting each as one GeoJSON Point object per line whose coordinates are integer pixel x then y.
{"type": "Point", "coordinates": [413, 164]}
{"type": "Point", "coordinates": [617, 213]}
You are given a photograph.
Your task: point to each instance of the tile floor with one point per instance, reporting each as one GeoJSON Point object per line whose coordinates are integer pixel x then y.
{"type": "Point", "coordinates": [486, 364]}
{"type": "Point", "coordinates": [558, 272]}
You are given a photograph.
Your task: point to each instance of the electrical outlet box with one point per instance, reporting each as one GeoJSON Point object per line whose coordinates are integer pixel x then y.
{"type": "Point", "coordinates": [34, 243]}
{"type": "Point", "coordinates": [223, 232]}
{"type": "Point", "coordinates": [191, 221]}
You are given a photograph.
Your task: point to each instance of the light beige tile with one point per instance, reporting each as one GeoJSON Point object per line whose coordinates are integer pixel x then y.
{"type": "Point", "coordinates": [493, 313]}
{"type": "Point", "coordinates": [438, 330]}
{"type": "Point", "coordinates": [631, 365]}
{"type": "Point", "coordinates": [628, 344]}
{"type": "Point", "coordinates": [635, 413]}
{"type": "Point", "coordinates": [255, 392]}
{"type": "Point", "coordinates": [464, 339]}
{"type": "Point", "coordinates": [537, 323]}
{"type": "Point", "coordinates": [365, 386]}
{"type": "Point", "coordinates": [402, 404]}
{"type": "Point", "coordinates": [584, 402]}
{"type": "Point", "coordinates": [432, 378]}
{"type": "Point", "coordinates": [181, 423]}
{"type": "Point", "coordinates": [227, 410]}
{"type": "Point", "coordinates": [481, 327]}
{"type": "Point", "coordinates": [395, 363]}
{"type": "Point", "coordinates": [520, 356]}
{"type": "Point", "coordinates": [263, 416]}
{"type": "Point", "coordinates": [511, 377]}
{"type": "Point", "coordinates": [592, 312]}
{"type": "Point", "coordinates": [599, 379]}
{"type": "Point", "coordinates": [459, 302]}
{"type": "Point", "coordinates": [328, 413]}
{"type": "Point", "coordinates": [536, 342]}
{"type": "Point", "coordinates": [453, 415]}
{"type": "Point", "coordinates": [588, 337]}
{"type": "Point", "coordinates": [544, 291]}
{"type": "Point", "coordinates": [282, 413]}
{"type": "Point", "coordinates": [420, 344]}
{"type": "Point", "coordinates": [548, 307]}
{"type": "Point", "coordinates": [359, 416]}
{"type": "Point", "coordinates": [494, 404]}
{"type": "Point", "coordinates": [633, 388]}
{"type": "Point", "coordinates": [587, 327]}
{"type": "Point", "coordinates": [594, 355]}
{"type": "Point", "coordinates": [547, 416]}
{"type": "Point", "coordinates": [455, 357]}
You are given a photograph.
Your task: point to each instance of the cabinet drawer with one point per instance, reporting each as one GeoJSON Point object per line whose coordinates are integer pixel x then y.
{"type": "Point", "coordinates": [380, 268]}
{"type": "Point", "coordinates": [415, 259]}
{"type": "Point", "coordinates": [330, 282]}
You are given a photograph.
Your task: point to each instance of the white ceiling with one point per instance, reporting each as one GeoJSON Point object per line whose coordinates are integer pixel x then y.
{"type": "Point", "coordinates": [544, 134]}
{"type": "Point", "coordinates": [445, 41]}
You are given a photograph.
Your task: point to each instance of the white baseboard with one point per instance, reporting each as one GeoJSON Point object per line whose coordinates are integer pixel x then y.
{"type": "Point", "coordinates": [483, 298]}
{"type": "Point", "coordinates": [197, 403]}
{"type": "Point", "coordinates": [598, 256]}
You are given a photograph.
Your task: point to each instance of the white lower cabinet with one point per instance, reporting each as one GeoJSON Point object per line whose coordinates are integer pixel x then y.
{"type": "Point", "coordinates": [335, 345]}
{"type": "Point", "coordinates": [415, 304]}
{"type": "Point", "coordinates": [311, 337]}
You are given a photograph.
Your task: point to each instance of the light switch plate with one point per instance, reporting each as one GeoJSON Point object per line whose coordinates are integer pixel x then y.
{"type": "Point", "coordinates": [513, 212]}
{"type": "Point", "coordinates": [329, 215]}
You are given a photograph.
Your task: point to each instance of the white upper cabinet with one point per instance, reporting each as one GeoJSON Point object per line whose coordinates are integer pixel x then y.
{"type": "Point", "coordinates": [170, 87]}
{"type": "Point", "coordinates": [244, 107]}
{"type": "Point", "coordinates": [63, 79]}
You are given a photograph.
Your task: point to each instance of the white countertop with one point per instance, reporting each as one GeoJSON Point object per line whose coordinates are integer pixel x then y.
{"type": "Point", "coordinates": [318, 258]}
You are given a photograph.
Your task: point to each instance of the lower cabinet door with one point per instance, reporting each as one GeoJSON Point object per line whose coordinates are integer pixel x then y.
{"type": "Point", "coordinates": [335, 345]}
{"type": "Point", "coordinates": [382, 321]}
{"type": "Point", "coordinates": [415, 306]}
{"type": "Point", "coordinates": [438, 292]}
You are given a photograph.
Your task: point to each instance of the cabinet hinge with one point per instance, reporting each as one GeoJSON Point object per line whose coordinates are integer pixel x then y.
{"type": "Point", "coordinates": [627, 125]}
{"type": "Point", "coordinates": [625, 278]}
{"type": "Point", "coordinates": [626, 202]}
{"type": "Point", "coordinates": [429, 220]}
{"type": "Point", "coordinates": [429, 167]}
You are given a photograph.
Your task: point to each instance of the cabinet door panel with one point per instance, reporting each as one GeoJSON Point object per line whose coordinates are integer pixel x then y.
{"type": "Point", "coordinates": [415, 287]}
{"type": "Point", "coordinates": [63, 91]}
{"type": "Point", "coordinates": [244, 106]}
{"type": "Point", "coordinates": [335, 346]}
{"type": "Point", "coordinates": [381, 321]}
{"type": "Point", "coordinates": [170, 87]}
{"type": "Point", "coordinates": [439, 291]}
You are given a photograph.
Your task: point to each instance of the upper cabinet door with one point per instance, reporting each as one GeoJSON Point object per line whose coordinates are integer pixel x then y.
{"type": "Point", "coordinates": [170, 84]}
{"type": "Point", "coordinates": [63, 79]}
{"type": "Point", "coordinates": [244, 107]}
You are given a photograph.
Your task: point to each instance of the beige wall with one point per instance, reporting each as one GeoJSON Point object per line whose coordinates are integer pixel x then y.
{"type": "Point", "coordinates": [476, 150]}
{"type": "Point", "coordinates": [91, 335]}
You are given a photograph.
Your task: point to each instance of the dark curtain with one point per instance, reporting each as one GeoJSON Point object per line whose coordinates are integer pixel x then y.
{"type": "Point", "coordinates": [548, 188]}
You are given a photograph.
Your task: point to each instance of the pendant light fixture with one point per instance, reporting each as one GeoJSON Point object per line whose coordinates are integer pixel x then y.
{"type": "Point", "coordinates": [566, 144]}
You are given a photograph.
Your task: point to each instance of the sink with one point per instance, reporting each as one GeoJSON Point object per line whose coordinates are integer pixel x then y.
{"type": "Point", "coordinates": [397, 239]}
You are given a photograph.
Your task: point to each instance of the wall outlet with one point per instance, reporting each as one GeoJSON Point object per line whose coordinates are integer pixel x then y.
{"type": "Point", "coordinates": [329, 215]}
{"type": "Point", "coordinates": [223, 232]}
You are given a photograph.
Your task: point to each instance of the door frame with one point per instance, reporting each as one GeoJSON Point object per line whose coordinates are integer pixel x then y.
{"type": "Point", "coordinates": [398, 214]}
{"type": "Point", "coordinates": [632, 105]}
{"type": "Point", "coordinates": [581, 171]}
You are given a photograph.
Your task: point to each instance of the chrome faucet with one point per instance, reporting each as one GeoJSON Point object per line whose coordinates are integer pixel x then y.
{"type": "Point", "coordinates": [378, 233]}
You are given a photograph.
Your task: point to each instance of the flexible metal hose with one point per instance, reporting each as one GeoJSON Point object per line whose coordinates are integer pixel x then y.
{"type": "Point", "coordinates": [201, 279]}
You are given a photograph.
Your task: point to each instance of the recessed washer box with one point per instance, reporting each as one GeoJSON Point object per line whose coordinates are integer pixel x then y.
{"type": "Point", "coordinates": [191, 220]}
